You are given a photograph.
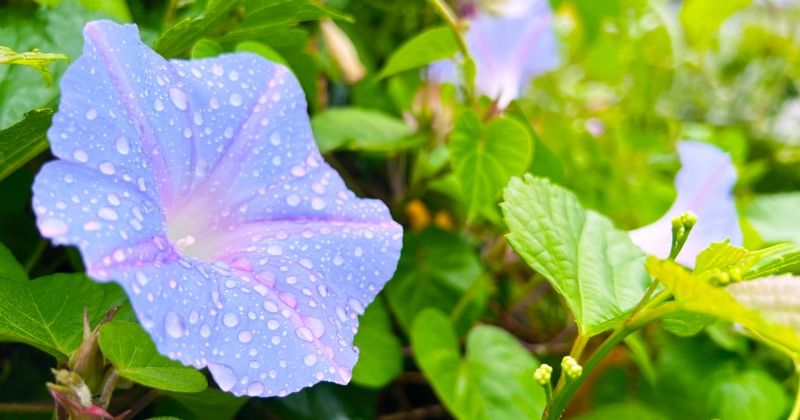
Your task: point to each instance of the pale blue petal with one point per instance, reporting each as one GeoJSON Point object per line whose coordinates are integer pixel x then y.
{"type": "Point", "coordinates": [198, 187]}
{"type": "Point", "coordinates": [704, 186]}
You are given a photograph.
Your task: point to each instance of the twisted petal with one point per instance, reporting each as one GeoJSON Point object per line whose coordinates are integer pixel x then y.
{"type": "Point", "coordinates": [509, 51]}
{"type": "Point", "coordinates": [198, 187]}
{"type": "Point", "coordinates": [704, 185]}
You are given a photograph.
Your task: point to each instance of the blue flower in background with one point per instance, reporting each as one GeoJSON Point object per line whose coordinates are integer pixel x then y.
{"type": "Point", "coordinates": [509, 48]}
{"type": "Point", "coordinates": [197, 186]}
{"type": "Point", "coordinates": [704, 186]}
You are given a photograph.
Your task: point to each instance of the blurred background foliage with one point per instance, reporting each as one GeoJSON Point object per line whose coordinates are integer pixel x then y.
{"type": "Point", "coordinates": [635, 77]}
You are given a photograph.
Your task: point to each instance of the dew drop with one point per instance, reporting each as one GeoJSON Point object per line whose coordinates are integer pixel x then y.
{"type": "Point", "coordinates": [318, 203]}
{"type": "Point", "coordinates": [255, 389]}
{"type": "Point", "coordinates": [356, 306]}
{"type": "Point", "coordinates": [92, 226]}
{"type": "Point", "coordinates": [173, 325]}
{"type": "Point", "coordinates": [273, 324]}
{"type": "Point", "coordinates": [236, 99]}
{"type": "Point", "coordinates": [113, 199]}
{"type": "Point", "coordinates": [214, 103]}
{"type": "Point", "coordinates": [305, 334]}
{"type": "Point", "coordinates": [230, 320]}
{"type": "Point", "coordinates": [80, 155]}
{"type": "Point", "coordinates": [123, 147]}
{"type": "Point", "coordinates": [245, 337]}
{"type": "Point", "coordinates": [91, 114]}
{"type": "Point", "coordinates": [107, 213]}
{"type": "Point", "coordinates": [293, 200]}
{"type": "Point", "coordinates": [223, 375]}
{"type": "Point", "coordinates": [53, 227]}
{"type": "Point", "coordinates": [107, 168]}
{"type": "Point", "coordinates": [158, 105]}
{"type": "Point", "coordinates": [310, 360]}
{"type": "Point", "coordinates": [274, 250]}
{"type": "Point", "coordinates": [338, 260]}
{"type": "Point", "coordinates": [275, 138]}
{"type": "Point", "coordinates": [270, 306]}
{"type": "Point", "coordinates": [315, 325]}
{"type": "Point", "coordinates": [205, 331]}
{"type": "Point", "coordinates": [178, 98]}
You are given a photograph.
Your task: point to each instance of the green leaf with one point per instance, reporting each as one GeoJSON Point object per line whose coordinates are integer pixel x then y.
{"type": "Point", "coordinates": [436, 268]}
{"type": "Point", "coordinates": [751, 394]}
{"type": "Point", "coordinates": [24, 140]}
{"type": "Point", "coordinates": [494, 380]}
{"type": "Point", "coordinates": [623, 411]}
{"type": "Point", "coordinates": [380, 358]}
{"type": "Point", "coordinates": [686, 324]}
{"type": "Point", "coordinates": [206, 48]}
{"type": "Point", "coordinates": [272, 21]}
{"type": "Point", "coordinates": [695, 295]}
{"type": "Point", "coordinates": [129, 348]}
{"type": "Point", "coordinates": [48, 29]}
{"type": "Point", "coordinates": [772, 216]}
{"type": "Point", "coordinates": [10, 269]}
{"type": "Point", "coordinates": [485, 158]}
{"type": "Point", "coordinates": [360, 129]}
{"type": "Point", "coordinates": [263, 50]}
{"type": "Point", "coordinates": [36, 59]}
{"type": "Point", "coordinates": [595, 267]}
{"type": "Point", "coordinates": [545, 163]}
{"type": "Point", "coordinates": [702, 19]}
{"type": "Point", "coordinates": [432, 45]}
{"type": "Point", "coordinates": [210, 404]}
{"type": "Point", "coordinates": [47, 312]}
{"type": "Point", "coordinates": [775, 260]}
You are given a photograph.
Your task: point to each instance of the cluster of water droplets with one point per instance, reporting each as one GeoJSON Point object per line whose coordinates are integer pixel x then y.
{"type": "Point", "coordinates": [197, 186]}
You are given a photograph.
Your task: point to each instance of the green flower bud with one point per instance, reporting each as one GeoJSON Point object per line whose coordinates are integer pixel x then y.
{"type": "Point", "coordinates": [571, 368]}
{"type": "Point", "coordinates": [543, 374]}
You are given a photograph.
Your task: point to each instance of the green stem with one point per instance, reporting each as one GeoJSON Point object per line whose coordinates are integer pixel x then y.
{"type": "Point", "coordinates": [568, 388]}
{"type": "Point", "coordinates": [37, 252]}
{"type": "Point", "coordinates": [455, 26]}
{"type": "Point", "coordinates": [577, 350]}
{"type": "Point", "coordinates": [795, 415]}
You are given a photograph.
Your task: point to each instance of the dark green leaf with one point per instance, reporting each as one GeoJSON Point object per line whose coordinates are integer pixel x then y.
{"type": "Point", "coordinates": [381, 355]}
{"type": "Point", "coordinates": [47, 312]}
{"type": "Point", "coordinates": [206, 48]}
{"type": "Point", "coordinates": [325, 401]}
{"type": "Point", "coordinates": [595, 267]}
{"type": "Point", "coordinates": [263, 50]}
{"type": "Point", "coordinates": [432, 45]}
{"type": "Point", "coordinates": [493, 381]}
{"type": "Point", "coordinates": [128, 347]}
{"type": "Point", "coordinates": [24, 140]}
{"type": "Point", "coordinates": [436, 268]}
{"type": "Point", "coordinates": [10, 269]}
{"type": "Point", "coordinates": [211, 404]}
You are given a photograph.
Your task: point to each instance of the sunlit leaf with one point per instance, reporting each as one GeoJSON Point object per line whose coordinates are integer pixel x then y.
{"type": "Point", "coordinates": [595, 267]}
{"type": "Point", "coordinates": [360, 129]}
{"type": "Point", "coordinates": [38, 60]}
{"type": "Point", "coordinates": [773, 217]}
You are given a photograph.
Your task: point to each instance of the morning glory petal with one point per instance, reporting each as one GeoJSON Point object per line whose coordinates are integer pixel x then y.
{"type": "Point", "coordinates": [105, 216]}
{"type": "Point", "coordinates": [509, 51]}
{"type": "Point", "coordinates": [240, 249]}
{"type": "Point", "coordinates": [704, 186]}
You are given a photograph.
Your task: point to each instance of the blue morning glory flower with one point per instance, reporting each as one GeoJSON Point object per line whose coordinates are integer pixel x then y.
{"type": "Point", "coordinates": [509, 48]}
{"type": "Point", "coordinates": [704, 186]}
{"type": "Point", "coordinates": [197, 186]}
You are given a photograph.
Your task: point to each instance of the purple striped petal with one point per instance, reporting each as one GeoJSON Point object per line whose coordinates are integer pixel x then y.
{"type": "Point", "coordinates": [198, 187]}
{"type": "Point", "coordinates": [704, 185]}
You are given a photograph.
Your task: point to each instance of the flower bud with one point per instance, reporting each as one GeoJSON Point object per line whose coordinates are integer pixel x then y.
{"type": "Point", "coordinates": [571, 367]}
{"type": "Point", "coordinates": [543, 374]}
{"type": "Point", "coordinates": [71, 393]}
{"type": "Point", "coordinates": [342, 51]}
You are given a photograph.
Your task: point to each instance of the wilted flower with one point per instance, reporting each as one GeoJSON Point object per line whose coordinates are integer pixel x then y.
{"type": "Point", "coordinates": [509, 48]}
{"type": "Point", "coordinates": [704, 186]}
{"type": "Point", "coordinates": [197, 186]}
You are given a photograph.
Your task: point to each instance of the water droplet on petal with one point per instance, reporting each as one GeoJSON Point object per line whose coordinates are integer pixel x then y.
{"type": "Point", "coordinates": [223, 375]}
{"type": "Point", "coordinates": [274, 250]}
{"type": "Point", "coordinates": [356, 306]}
{"type": "Point", "coordinates": [318, 203]}
{"type": "Point", "coordinates": [245, 336]}
{"type": "Point", "coordinates": [107, 168]}
{"type": "Point", "coordinates": [236, 99]}
{"type": "Point", "coordinates": [80, 155]}
{"type": "Point", "coordinates": [123, 147]}
{"type": "Point", "coordinates": [255, 389]}
{"type": "Point", "coordinates": [310, 360]}
{"type": "Point", "coordinates": [107, 213]}
{"type": "Point", "coordinates": [178, 98]}
{"type": "Point", "coordinates": [205, 331]}
{"type": "Point", "coordinates": [293, 200]}
{"type": "Point", "coordinates": [53, 227]}
{"type": "Point", "coordinates": [92, 226]}
{"type": "Point", "coordinates": [91, 114]}
{"type": "Point", "coordinates": [273, 324]}
{"type": "Point", "coordinates": [158, 105]}
{"type": "Point", "coordinates": [230, 320]}
{"type": "Point", "coordinates": [173, 325]}
{"type": "Point", "coordinates": [315, 325]}
{"type": "Point", "coordinates": [305, 334]}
